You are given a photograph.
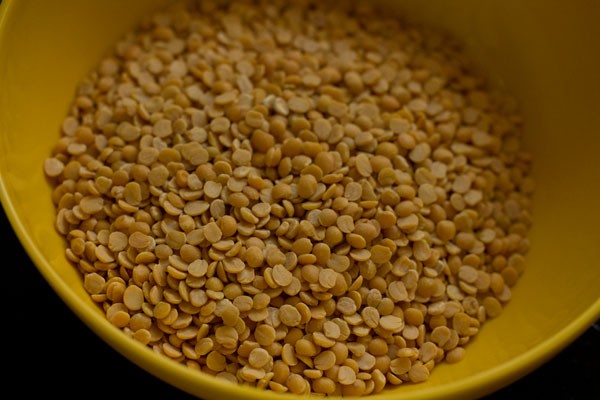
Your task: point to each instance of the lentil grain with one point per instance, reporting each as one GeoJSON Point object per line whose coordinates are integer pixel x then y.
{"type": "Point", "coordinates": [302, 202]}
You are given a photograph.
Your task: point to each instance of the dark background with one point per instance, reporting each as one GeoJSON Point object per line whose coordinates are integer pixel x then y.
{"type": "Point", "coordinates": [49, 347]}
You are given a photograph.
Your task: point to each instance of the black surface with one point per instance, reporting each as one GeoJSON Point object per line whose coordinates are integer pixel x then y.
{"type": "Point", "coordinates": [45, 343]}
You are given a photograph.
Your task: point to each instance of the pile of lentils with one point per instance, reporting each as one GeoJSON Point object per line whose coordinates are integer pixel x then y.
{"type": "Point", "coordinates": [305, 197]}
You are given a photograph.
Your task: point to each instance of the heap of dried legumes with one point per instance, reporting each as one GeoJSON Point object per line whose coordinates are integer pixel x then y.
{"type": "Point", "coordinates": [297, 196]}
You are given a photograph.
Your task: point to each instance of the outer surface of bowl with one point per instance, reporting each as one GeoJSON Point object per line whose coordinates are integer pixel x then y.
{"type": "Point", "coordinates": [543, 51]}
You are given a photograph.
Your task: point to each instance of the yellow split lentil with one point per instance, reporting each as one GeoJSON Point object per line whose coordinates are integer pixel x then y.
{"type": "Point", "coordinates": [305, 197]}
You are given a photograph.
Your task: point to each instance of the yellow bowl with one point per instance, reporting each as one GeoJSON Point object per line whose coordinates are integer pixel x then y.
{"type": "Point", "coordinates": [542, 51]}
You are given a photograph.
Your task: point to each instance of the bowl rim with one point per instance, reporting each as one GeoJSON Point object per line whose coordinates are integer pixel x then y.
{"type": "Point", "coordinates": [185, 378]}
